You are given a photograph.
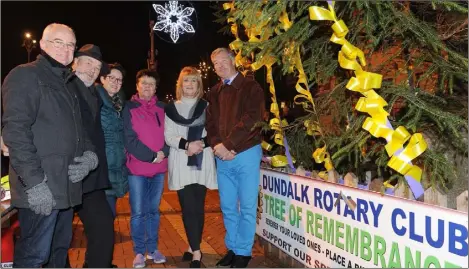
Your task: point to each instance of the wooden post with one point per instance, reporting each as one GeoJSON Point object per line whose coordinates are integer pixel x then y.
{"type": "Point", "coordinates": [333, 176]}
{"type": "Point", "coordinates": [433, 196]}
{"type": "Point", "coordinates": [461, 202]}
{"type": "Point", "coordinates": [300, 171]}
{"type": "Point", "coordinates": [351, 180]}
{"type": "Point", "coordinates": [403, 191]}
{"type": "Point", "coordinates": [376, 185]}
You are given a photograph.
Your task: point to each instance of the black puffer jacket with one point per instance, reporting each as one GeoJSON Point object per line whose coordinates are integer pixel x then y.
{"type": "Point", "coordinates": [43, 129]}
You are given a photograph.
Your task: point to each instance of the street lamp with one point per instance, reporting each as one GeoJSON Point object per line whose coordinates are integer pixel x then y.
{"type": "Point", "coordinates": [29, 44]}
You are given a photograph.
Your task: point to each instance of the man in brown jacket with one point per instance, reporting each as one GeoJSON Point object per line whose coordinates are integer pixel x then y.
{"type": "Point", "coordinates": [236, 104]}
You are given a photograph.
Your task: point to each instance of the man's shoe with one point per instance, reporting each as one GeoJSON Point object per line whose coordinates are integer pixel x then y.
{"type": "Point", "coordinates": [240, 261]}
{"type": "Point", "coordinates": [227, 260]}
{"type": "Point", "coordinates": [114, 266]}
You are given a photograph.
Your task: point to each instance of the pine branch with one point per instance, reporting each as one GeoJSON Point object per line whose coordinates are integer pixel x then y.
{"type": "Point", "coordinates": [460, 28]}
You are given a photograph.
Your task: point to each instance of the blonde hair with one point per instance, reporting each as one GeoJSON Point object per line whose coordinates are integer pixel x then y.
{"type": "Point", "coordinates": [189, 71]}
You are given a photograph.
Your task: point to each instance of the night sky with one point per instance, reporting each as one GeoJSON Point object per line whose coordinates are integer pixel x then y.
{"type": "Point", "coordinates": [120, 29]}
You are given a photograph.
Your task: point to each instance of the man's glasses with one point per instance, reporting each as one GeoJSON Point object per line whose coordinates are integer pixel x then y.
{"type": "Point", "coordinates": [114, 79]}
{"type": "Point", "coordinates": [58, 44]}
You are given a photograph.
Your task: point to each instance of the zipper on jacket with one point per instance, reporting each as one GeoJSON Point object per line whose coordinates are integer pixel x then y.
{"type": "Point", "coordinates": [158, 119]}
{"type": "Point", "coordinates": [77, 136]}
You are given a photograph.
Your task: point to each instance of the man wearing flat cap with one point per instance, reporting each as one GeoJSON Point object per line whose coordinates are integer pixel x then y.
{"type": "Point", "coordinates": [94, 212]}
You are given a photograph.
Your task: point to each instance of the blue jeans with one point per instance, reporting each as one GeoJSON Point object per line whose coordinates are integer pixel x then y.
{"type": "Point", "coordinates": [145, 196]}
{"type": "Point", "coordinates": [112, 200]}
{"type": "Point", "coordinates": [44, 240]}
{"type": "Point", "coordinates": [238, 181]}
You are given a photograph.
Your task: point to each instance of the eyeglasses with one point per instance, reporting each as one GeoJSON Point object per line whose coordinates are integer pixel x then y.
{"type": "Point", "coordinates": [115, 80]}
{"type": "Point", "coordinates": [58, 44]}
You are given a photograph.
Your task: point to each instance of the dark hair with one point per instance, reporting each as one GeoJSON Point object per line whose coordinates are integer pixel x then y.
{"type": "Point", "coordinates": [106, 70]}
{"type": "Point", "coordinates": [117, 66]}
{"type": "Point", "coordinates": [148, 73]}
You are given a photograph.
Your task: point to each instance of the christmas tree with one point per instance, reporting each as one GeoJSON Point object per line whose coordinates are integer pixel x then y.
{"type": "Point", "coordinates": [419, 48]}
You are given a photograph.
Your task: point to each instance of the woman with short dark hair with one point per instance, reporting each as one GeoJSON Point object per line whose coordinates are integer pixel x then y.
{"type": "Point", "coordinates": [146, 160]}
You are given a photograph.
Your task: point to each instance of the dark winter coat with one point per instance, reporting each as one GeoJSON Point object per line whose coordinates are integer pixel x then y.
{"type": "Point", "coordinates": [113, 127]}
{"type": "Point", "coordinates": [90, 103]}
{"type": "Point", "coordinates": [43, 129]}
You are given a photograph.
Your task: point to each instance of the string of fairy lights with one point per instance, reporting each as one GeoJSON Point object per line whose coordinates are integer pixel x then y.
{"type": "Point", "coordinates": [205, 71]}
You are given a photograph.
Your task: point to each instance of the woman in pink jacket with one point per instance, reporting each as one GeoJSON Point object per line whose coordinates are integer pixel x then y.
{"type": "Point", "coordinates": [147, 164]}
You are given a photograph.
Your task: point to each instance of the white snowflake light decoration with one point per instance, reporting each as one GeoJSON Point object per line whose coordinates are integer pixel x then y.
{"type": "Point", "coordinates": [173, 19]}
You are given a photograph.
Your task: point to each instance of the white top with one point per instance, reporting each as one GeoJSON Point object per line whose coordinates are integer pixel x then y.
{"type": "Point", "coordinates": [179, 174]}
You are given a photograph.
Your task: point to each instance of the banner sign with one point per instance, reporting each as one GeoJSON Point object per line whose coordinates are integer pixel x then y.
{"type": "Point", "coordinates": [307, 220]}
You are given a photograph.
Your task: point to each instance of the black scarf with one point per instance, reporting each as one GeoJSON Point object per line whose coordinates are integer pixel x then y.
{"type": "Point", "coordinates": [195, 131]}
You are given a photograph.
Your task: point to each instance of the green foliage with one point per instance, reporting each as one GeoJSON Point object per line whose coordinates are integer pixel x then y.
{"type": "Point", "coordinates": [427, 34]}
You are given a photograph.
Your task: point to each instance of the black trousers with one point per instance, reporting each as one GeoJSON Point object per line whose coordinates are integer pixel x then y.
{"type": "Point", "coordinates": [98, 221]}
{"type": "Point", "coordinates": [192, 200]}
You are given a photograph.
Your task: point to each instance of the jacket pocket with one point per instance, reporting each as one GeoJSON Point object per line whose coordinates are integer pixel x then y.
{"type": "Point", "coordinates": [55, 167]}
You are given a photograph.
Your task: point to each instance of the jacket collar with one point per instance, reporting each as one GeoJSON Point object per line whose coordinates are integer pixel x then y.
{"type": "Point", "coordinates": [57, 68]}
{"type": "Point", "coordinates": [52, 61]}
{"type": "Point", "coordinates": [152, 102]}
{"type": "Point", "coordinates": [104, 95]}
{"type": "Point", "coordinates": [236, 83]}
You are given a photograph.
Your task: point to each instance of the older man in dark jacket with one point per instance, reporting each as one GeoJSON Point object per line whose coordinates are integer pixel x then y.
{"type": "Point", "coordinates": [94, 212]}
{"type": "Point", "coordinates": [49, 150]}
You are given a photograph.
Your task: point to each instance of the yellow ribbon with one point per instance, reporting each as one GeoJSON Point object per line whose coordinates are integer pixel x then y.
{"type": "Point", "coordinates": [228, 6]}
{"type": "Point", "coordinates": [237, 44]}
{"type": "Point", "coordinates": [285, 21]}
{"type": "Point", "coordinates": [302, 79]}
{"type": "Point", "coordinates": [402, 162]}
{"type": "Point", "coordinates": [321, 155]}
{"type": "Point", "coordinates": [304, 98]}
{"type": "Point", "coordinates": [312, 128]}
{"type": "Point", "coordinates": [373, 104]}
{"type": "Point", "coordinates": [280, 161]}
{"type": "Point", "coordinates": [5, 182]}
{"type": "Point", "coordinates": [388, 185]}
{"type": "Point", "coordinates": [266, 145]}
{"type": "Point", "coordinates": [397, 140]}
{"type": "Point", "coordinates": [323, 175]}
{"type": "Point", "coordinates": [276, 124]}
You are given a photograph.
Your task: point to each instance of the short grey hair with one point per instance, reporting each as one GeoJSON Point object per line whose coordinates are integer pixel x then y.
{"type": "Point", "coordinates": [220, 50]}
{"type": "Point", "coordinates": [49, 28]}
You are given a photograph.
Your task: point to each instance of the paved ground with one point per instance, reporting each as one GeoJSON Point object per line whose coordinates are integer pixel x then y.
{"type": "Point", "coordinates": [172, 238]}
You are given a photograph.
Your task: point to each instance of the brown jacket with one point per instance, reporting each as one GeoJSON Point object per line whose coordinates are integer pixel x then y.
{"type": "Point", "coordinates": [232, 113]}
